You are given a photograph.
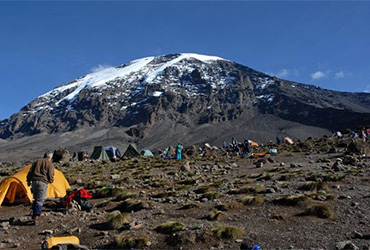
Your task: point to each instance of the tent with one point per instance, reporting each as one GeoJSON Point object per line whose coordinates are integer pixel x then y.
{"type": "Point", "coordinates": [253, 143]}
{"type": "Point", "coordinates": [113, 152]}
{"type": "Point", "coordinates": [170, 151]}
{"type": "Point", "coordinates": [288, 140]}
{"type": "Point", "coordinates": [14, 188]}
{"type": "Point", "coordinates": [131, 151]}
{"type": "Point", "coordinates": [99, 154]}
{"type": "Point", "coordinates": [147, 153]}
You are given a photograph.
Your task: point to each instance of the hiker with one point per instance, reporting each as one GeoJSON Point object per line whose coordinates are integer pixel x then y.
{"type": "Point", "coordinates": [233, 141]}
{"type": "Point", "coordinates": [179, 148]}
{"type": "Point", "coordinates": [247, 148]}
{"type": "Point", "coordinates": [41, 173]}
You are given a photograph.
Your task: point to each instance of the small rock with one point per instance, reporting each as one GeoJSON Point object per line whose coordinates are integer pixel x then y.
{"type": "Point", "coordinates": [346, 245]}
{"type": "Point", "coordinates": [47, 232]}
{"type": "Point", "coordinates": [5, 224]}
{"type": "Point", "coordinates": [8, 240]}
{"type": "Point", "coordinates": [115, 176]}
{"type": "Point", "coordinates": [282, 164]}
{"type": "Point", "coordinates": [79, 181]}
{"type": "Point", "coordinates": [2, 246]}
{"type": "Point", "coordinates": [16, 245]}
{"type": "Point", "coordinates": [148, 244]}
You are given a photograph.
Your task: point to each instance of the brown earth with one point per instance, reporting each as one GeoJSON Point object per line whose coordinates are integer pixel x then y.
{"type": "Point", "coordinates": [339, 182]}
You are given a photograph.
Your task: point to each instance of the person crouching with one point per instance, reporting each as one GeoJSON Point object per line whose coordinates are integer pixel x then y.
{"type": "Point", "coordinates": [40, 174]}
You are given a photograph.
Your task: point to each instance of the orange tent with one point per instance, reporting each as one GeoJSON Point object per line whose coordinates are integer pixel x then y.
{"type": "Point", "coordinates": [288, 140]}
{"type": "Point", "coordinates": [15, 187]}
{"type": "Point", "coordinates": [253, 143]}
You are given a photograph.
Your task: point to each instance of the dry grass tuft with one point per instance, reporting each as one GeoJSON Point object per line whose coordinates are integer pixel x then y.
{"type": "Point", "coordinates": [107, 192]}
{"type": "Point", "coordinates": [116, 219]}
{"type": "Point", "coordinates": [191, 204]}
{"type": "Point", "coordinates": [226, 232]}
{"type": "Point", "coordinates": [134, 205]}
{"type": "Point", "coordinates": [291, 200]}
{"type": "Point", "coordinates": [170, 227]}
{"type": "Point", "coordinates": [136, 242]}
{"type": "Point", "coordinates": [252, 200]}
{"type": "Point", "coordinates": [216, 215]}
{"type": "Point", "coordinates": [314, 186]}
{"type": "Point", "coordinates": [228, 206]}
{"type": "Point", "coordinates": [320, 211]}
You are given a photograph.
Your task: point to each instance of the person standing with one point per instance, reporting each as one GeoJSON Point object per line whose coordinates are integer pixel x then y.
{"type": "Point", "coordinates": [39, 176]}
{"type": "Point", "coordinates": [179, 148]}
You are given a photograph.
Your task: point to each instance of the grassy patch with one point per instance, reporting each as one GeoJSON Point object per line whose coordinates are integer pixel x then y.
{"type": "Point", "coordinates": [290, 200]}
{"type": "Point", "coordinates": [227, 206]}
{"type": "Point", "coordinates": [226, 232]}
{"type": "Point", "coordinates": [252, 200]}
{"type": "Point", "coordinates": [211, 195]}
{"type": "Point", "coordinates": [248, 190]}
{"type": "Point", "coordinates": [313, 186]}
{"type": "Point", "coordinates": [134, 205]}
{"type": "Point", "coordinates": [319, 210]}
{"type": "Point", "coordinates": [136, 242]}
{"type": "Point", "coordinates": [191, 204]}
{"type": "Point", "coordinates": [107, 192]}
{"type": "Point", "coordinates": [116, 219]}
{"type": "Point", "coordinates": [126, 195]}
{"type": "Point", "coordinates": [216, 215]}
{"type": "Point", "coordinates": [170, 227]}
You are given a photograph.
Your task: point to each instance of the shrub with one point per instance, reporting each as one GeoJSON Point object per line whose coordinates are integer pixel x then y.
{"type": "Point", "coordinates": [226, 232]}
{"type": "Point", "coordinates": [170, 227]}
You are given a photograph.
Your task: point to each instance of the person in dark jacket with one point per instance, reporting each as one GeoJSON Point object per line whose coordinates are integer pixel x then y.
{"type": "Point", "coordinates": [40, 175]}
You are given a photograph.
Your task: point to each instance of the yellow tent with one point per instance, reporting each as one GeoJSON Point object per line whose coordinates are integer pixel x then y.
{"type": "Point", "coordinates": [15, 187]}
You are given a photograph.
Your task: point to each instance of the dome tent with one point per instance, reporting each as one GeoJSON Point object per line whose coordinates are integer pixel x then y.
{"type": "Point", "coordinates": [14, 188]}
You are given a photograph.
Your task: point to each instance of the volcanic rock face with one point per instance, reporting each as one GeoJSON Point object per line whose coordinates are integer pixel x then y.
{"type": "Point", "coordinates": [187, 89]}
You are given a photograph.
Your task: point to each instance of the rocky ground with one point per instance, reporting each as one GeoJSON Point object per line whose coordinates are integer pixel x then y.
{"type": "Point", "coordinates": [311, 195]}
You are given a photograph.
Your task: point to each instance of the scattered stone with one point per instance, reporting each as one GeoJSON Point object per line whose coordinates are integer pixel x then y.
{"type": "Point", "coordinates": [47, 232]}
{"type": "Point", "coordinates": [185, 167]}
{"type": "Point", "coordinates": [349, 160]}
{"type": "Point", "coordinates": [115, 176]}
{"type": "Point", "coordinates": [79, 181]}
{"type": "Point", "coordinates": [5, 224]}
{"type": "Point", "coordinates": [16, 244]}
{"type": "Point", "coordinates": [346, 245]}
{"type": "Point", "coordinates": [337, 166]}
{"type": "Point", "coordinates": [2, 246]}
{"type": "Point", "coordinates": [282, 164]}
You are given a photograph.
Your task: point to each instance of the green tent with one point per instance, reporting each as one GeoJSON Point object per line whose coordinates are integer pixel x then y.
{"type": "Point", "coordinates": [99, 154]}
{"type": "Point", "coordinates": [147, 153]}
{"type": "Point", "coordinates": [131, 151]}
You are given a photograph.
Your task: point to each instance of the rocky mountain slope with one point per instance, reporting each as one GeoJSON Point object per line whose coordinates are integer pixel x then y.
{"type": "Point", "coordinates": [189, 97]}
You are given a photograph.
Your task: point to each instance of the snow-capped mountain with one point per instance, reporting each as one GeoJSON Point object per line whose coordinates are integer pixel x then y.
{"type": "Point", "coordinates": [160, 95]}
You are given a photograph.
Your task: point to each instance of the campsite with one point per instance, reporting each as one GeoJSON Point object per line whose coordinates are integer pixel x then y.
{"type": "Point", "coordinates": [311, 194]}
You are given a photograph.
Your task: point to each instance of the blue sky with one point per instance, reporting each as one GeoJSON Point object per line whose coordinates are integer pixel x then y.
{"type": "Point", "coordinates": [48, 43]}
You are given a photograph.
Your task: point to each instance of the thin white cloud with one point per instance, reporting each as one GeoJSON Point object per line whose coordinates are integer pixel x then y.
{"type": "Point", "coordinates": [100, 67]}
{"type": "Point", "coordinates": [367, 89]}
{"type": "Point", "coordinates": [283, 73]}
{"type": "Point", "coordinates": [318, 75]}
{"type": "Point", "coordinates": [339, 74]}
